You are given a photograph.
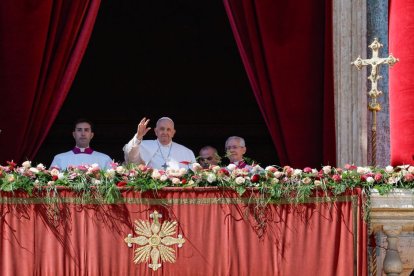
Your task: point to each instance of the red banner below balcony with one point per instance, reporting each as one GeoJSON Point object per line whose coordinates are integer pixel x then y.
{"type": "Point", "coordinates": [200, 231]}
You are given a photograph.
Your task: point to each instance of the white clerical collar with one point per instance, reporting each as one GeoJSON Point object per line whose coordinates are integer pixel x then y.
{"type": "Point", "coordinates": [165, 146]}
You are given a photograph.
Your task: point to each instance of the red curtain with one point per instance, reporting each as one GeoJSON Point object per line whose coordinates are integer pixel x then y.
{"type": "Point", "coordinates": [224, 234]}
{"type": "Point", "coordinates": [286, 48]}
{"type": "Point", "coordinates": [401, 83]}
{"type": "Point", "coordinates": [41, 46]}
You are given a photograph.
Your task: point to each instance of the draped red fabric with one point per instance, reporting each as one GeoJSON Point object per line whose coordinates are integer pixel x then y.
{"type": "Point", "coordinates": [401, 82]}
{"type": "Point", "coordinates": [224, 234]}
{"type": "Point", "coordinates": [286, 48]}
{"type": "Point", "coordinates": [41, 46]}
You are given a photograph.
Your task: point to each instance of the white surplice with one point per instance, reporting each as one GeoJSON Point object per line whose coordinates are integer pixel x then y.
{"type": "Point", "coordinates": [155, 155]}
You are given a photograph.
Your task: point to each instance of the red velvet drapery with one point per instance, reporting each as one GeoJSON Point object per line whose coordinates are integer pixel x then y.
{"type": "Point", "coordinates": [286, 48]}
{"type": "Point", "coordinates": [401, 83]}
{"type": "Point", "coordinates": [41, 46]}
{"type": "Point", "coordinates": [224, 234]}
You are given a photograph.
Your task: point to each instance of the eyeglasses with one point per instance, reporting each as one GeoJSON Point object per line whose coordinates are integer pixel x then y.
{"type": "Point", "coordinates": [233, 147]}
{"type": "Point", "coordinates": [206, 159]}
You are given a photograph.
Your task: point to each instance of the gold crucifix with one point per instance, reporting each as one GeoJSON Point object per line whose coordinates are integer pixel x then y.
{"type": "Point", "coordinates": [374, 93]}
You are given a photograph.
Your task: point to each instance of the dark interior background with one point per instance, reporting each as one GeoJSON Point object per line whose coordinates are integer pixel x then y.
{"type": "Point", "coordinates": [175, 58]}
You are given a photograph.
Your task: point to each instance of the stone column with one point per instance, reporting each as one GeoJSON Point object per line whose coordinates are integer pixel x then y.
{"type": "Point", "coordinates": [349, 32]}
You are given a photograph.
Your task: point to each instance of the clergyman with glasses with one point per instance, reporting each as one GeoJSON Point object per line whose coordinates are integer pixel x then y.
{"type": "Point", "coordinates": [161, 153]}
{"type": "Point", "coordinates": [235, 149]}
{"type": "Point", "coordinates": [208, 157]}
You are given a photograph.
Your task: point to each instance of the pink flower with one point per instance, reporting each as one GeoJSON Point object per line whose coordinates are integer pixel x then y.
{"type": "Point", "coordinates": [378, 177]}
{"type": "Point", "coordinates": [307, 170]}
{"type": "Point", "coordinates": [350, 167]}
{"type": "Point", "coordinates": [336, 178]}
{"type": "Point", "coordinates": [409, 177]}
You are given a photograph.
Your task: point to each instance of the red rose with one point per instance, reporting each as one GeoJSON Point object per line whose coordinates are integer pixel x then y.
{"type": "Point", "coordinates": [224, 171]}
{"type": "Point", "coordinates": [12, 165]}
{"type": "Point", "coordinates": [121, 184]}
{"type": "Point", "coordinates": [183, 181]}
{"type": "Point", "coordinates": [54, 177]}
{"type": "Point", "coordinates": [255, 178]}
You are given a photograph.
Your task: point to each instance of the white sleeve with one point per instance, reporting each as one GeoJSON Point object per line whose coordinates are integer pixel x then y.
{"type": "Point", "coordinates": [131, 151]}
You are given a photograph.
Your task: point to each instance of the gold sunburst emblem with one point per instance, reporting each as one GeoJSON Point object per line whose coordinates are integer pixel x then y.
{"type": "Point", "coordinates": [154, 240]}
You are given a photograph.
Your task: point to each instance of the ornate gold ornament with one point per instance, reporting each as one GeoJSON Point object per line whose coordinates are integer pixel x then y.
{"type": "Point", "coordinates": [154, 240]}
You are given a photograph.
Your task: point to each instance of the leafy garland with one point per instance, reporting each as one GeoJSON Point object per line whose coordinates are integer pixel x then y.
{"type": "Point", "coordinates": [275, 183]}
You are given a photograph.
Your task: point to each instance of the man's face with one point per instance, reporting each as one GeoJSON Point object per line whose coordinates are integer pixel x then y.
{"type": "Point", "coordinates": [234, 151]}
{"type": "Point", "coordinates": [165, 131]}
{"type": "Point", "coordinates": [83, 135]}
{"type": "Point", "coordinates": [208, 157]}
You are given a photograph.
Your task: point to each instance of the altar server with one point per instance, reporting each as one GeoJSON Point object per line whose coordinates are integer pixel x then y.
{"type": "Point", "coordinates": [81, 154]}
{"type": "Point", "coordinates": [161, 153]}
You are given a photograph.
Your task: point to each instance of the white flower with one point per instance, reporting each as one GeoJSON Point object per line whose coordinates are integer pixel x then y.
{"type": "Point", "coordinates": [156, 174]}
{"type": "Point", "coordinates": [231, 167]}
{"type": "Point", "coordinates": [95, 181]}
{"type": "Point", "coordinates": [215, 168]}
{"type": "Point", "coordinates": [363, 170]}
{"type": "Point", "coordinates": [314, 171]}
{"type": "Point", "coordinates": [40, 167]}
{"type": "Point", "coordinates": [240, 180]}
{"type": "Point", "coordinates": [196, 167]}
{"type": "Point", "coordinates": [274, 181]}
{"type": "Point", "coordinates": [27, 164]}
{"type": "Point", "coordinates": [211, 177]}
{"type": "Point", "coordinates": [175, 180]}
{"type": "Point", "coordinates": [54, 172]}
{"type": "Point", "coordinates": [297, 172]}
{"type": "Point", "coordinates": [306, 180]}
{"type": "Point", "coordinates": [389, 169]}
{"type": "Point", "coordinates": [256, 169]}
{"type": "Point", "coordinates": [51, 183]}
{"type": "Point", "coordinates": [110, 173]}
{"type": "Point", "coordinates": [182, 171]}
{"type": "Point", "coordinates": [327, 169]}
{"type": "Point", "coordinates": [120, 170]}
{"type": "Point", "coordinates": [278, 174]}
{"type": "Point", "coordinates": [61, 176]}
{"type": "Point", "coordinates": [34, 170]}
{"type": "Point", "coordinates": [411, 169]}
{"type": "Point", "coordinates": [317, 182]}
{"type": "Point", "coordinates": [95, 166]}
{"type": "Point", "coordinates": [10, 178]}
{"type": "Point", "coordinates": [163, 177]}
{"type": "Point", "coordinates": [370, 179]}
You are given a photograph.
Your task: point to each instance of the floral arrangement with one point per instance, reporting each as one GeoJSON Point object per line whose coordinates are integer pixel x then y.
{"type": "Point", "coordinates": [275, 182]}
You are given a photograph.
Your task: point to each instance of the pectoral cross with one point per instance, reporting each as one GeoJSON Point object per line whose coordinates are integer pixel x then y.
{"type": "Point", "coordinates": [374, 93]}
{"type": "Point", "coordinates": [165, 166]}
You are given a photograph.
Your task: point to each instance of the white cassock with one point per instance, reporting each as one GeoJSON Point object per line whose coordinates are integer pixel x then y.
{"type": "Point", "coordinates": [66, 159]}
{"type": "Point", "coordinates": [157, 156]}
